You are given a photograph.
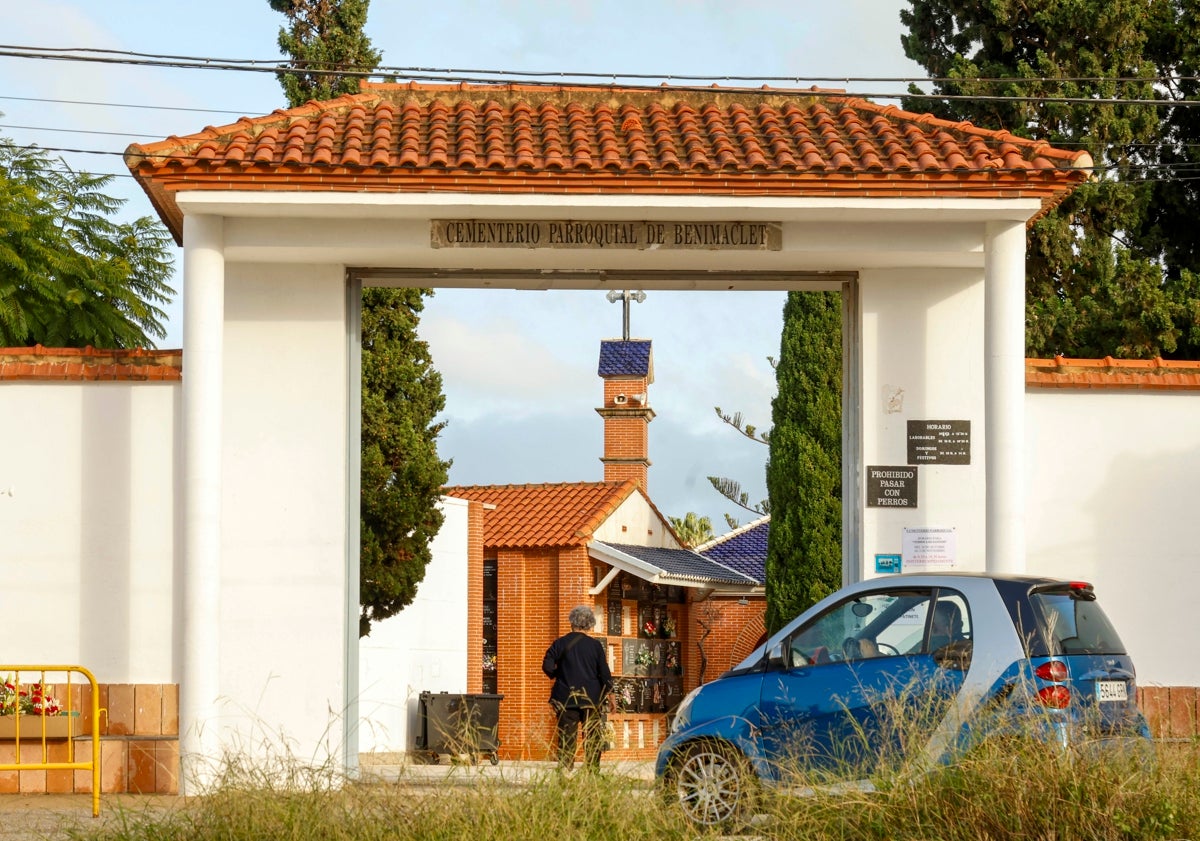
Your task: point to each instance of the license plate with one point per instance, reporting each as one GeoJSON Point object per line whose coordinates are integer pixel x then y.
{"type": "Point", "coordinates": [1112, 690]}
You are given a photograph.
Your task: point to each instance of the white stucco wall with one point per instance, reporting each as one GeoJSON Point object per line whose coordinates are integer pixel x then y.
{"type": "Point", "coordinates": [922, 359]}
{"type": "Point", "coordinates": [636, 523]}
{"type": "Point", "coordinates": [423, 648]}
{"type": "Point", "coordinates": [1112, 500]}
{"type": "Point", "coordinates": [89, 527]}
{"type": "Point", "coordinates": [283, 566]}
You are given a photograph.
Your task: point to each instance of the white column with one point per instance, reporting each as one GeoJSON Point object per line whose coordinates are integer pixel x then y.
{"type": "Point", "coordinates": [203, 339]}
{"type": "Point", "coordinates": [1004, 394]}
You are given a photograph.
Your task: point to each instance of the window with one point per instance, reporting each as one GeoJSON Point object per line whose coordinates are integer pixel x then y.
{"type": "Point", "coordinates": [489, 625]}
{"type": "Point", "coordinates": [870, 625]}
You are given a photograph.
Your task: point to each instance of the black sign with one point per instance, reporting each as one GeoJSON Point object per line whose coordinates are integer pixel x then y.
{"type": "Point", "coordinates": [939, 442]}
{"type": "Point", "coordinates": [892, 487]}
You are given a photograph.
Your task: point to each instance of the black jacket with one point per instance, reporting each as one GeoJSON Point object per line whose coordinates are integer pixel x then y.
{"type": "Point", "coordinates": [578, 664]}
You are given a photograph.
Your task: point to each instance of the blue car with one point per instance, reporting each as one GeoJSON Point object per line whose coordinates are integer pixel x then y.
{"type": "Point", "coordinates": [905, 671]}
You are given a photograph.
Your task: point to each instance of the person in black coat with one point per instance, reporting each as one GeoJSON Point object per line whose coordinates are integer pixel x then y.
{"type": "Point", "coordinates": [583, 683]}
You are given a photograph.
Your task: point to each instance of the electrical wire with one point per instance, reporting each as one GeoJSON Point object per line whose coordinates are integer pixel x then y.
{"type": "Point", "coordinates": [123, 105]}
{"type": "Point", "coordinates": [277, 65]}
{"type": "Point", "coordinates": [418, 74]}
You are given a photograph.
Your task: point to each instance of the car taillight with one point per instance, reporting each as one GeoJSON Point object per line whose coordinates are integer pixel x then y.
{"type": "Point", "coordinates": [1055, 697]}
{"type": "Point", "coordinates": [1055, 670]}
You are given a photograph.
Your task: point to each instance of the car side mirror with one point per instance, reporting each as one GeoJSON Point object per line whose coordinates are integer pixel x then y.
{"type": "Point", "coordinates": [775, 658]}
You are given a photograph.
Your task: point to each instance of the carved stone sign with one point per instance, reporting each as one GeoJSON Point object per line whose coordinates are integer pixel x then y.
{"type": "Point", "coordinates": [622, 235]}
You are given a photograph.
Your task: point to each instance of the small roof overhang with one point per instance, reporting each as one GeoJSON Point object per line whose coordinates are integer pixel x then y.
{"type": "Point", "coordinates": [671, 567]}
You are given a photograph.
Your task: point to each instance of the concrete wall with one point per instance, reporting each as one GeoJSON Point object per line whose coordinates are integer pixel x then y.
{"type": "Point", "coordinates": [283, 631]}
{"type": "Point", "coordinates": [90, 527]}
{"type": "Point", "coordinates": [937, 377]}
{"type": "Point", "coordinates": [1112, 500]}
{"type": "Point", "coordinates": [421, 649]}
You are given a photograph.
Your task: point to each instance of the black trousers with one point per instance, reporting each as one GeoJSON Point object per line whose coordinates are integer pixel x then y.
{"type": "Point", "coordinates": [569, 721]}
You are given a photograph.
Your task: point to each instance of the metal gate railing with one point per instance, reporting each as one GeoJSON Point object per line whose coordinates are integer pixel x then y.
{"type": "Point", "coordinates": [45, 710]}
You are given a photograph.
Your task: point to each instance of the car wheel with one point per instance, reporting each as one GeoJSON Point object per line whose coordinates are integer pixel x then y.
{"type": "Point", "coordinates": [714, 784]}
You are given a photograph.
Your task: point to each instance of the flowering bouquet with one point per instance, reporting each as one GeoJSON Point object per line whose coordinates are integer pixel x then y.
{"type": "Point", "coordinates": [30, 699]}
{"type": "Point", "coordinates": [668, 627]}
{"type": "Point", "coordinates": [646, 657]}
{"type": "Point", "coordinates": [649, 628]}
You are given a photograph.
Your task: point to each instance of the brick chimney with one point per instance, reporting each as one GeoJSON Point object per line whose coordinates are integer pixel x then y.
{"type": "Point", "coordinates": [627, 369]}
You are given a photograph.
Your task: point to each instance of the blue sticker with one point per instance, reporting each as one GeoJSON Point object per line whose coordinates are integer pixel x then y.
{"type": "Point", "coordinates": [887, 563]}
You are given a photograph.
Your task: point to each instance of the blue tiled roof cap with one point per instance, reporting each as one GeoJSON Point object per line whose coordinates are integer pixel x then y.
{"type": "Point", "coordinates": [684, 563]}
{"type": "Point", "coordinates": [626, 358]}
{"type": "Point", "coordinates": [744, 550]}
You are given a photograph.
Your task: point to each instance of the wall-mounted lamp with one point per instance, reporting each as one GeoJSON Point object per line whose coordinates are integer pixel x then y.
{"type": "Point", "coordinates": [743, 601]}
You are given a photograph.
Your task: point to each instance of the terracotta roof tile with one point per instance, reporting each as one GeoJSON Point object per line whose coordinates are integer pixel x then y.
{"type": "Point", "coordinates": [1109, 373]}
{"type": "Point", "coordinates": [83, 364]}
{"type": "Point", "coordinates": [564, 514]}
{"type": "Point", "coordinates": [562, 139]}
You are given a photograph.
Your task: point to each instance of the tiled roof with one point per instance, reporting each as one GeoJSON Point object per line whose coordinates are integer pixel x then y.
{"type": "Point", "coordinates": [625, 358]}
{"type": "Point", "coordinates": [543, 515]}
{"type": "Point", "coordinates": [743, 549]}
{"type": "Point", "coordinates": [683, 563]}
{"type": "Point", "coordinates": [514, 138]}
{"type": "Point", "coordinates": [1109, 373]}
{"type": "Point", "coordinates": [48, 364]}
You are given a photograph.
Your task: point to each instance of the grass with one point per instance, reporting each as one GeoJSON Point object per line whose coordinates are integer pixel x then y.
{"type": "Point", "coordinates": [1004, 791]}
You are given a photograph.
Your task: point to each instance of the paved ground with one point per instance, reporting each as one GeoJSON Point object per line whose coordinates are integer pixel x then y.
{"type": "Point", "coordinates": [45, 817]}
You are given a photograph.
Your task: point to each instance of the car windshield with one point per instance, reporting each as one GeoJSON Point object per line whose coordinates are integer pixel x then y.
{"type": "Point", "coordinates": [1076, 625]}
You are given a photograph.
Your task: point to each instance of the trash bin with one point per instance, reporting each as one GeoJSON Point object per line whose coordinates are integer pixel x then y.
{"type": "Point", "coordinates": [458, 724]}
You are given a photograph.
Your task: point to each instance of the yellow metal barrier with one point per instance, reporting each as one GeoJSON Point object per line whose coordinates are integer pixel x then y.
{"type": "Point", "coordinates": [44, 709]}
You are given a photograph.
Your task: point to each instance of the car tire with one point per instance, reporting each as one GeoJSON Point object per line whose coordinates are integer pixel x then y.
{"type": "Point", "coordinates": [713, 784]}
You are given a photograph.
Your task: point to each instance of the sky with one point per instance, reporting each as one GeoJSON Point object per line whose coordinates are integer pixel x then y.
{"type": "Point", "coordinates": [503, 425]}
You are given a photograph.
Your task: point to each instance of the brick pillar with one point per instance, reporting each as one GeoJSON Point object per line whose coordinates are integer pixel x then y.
{"type": "Point", "coordinates": [627, 369]}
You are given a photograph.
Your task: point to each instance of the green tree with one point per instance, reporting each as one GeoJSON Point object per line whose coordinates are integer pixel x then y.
{"type": "Point", "coordinates": [1096, 281]}
{"type": "Point", "coordinates": [70, 274]}
{"type": "Point", "coordinates": [692, 529]}
{"type": "Point", "coordinates": [804, 471]}
{"type": "Point", "coordinates": [731, 489]}
{"type": "Point", "coordinates": [324, 36]}
{"type": "Point", "coordinates": [401, 476]}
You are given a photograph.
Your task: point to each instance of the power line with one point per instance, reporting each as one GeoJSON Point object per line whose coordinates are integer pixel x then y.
{"type": "Point", "coordinates": [281, 65]}
{"type": "Point", "coordinates": [80, 131]}
{"type": "Point", "coordinates": [1098, 170]}
{"type": "Point", "coordinates": [123, 105]}
{"type": "Point", "coordinates": [538, 77]}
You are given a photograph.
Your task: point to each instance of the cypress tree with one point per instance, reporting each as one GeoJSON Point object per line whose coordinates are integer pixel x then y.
{"type": "Point", "coordinates": [401, 475]}
{"type": "Point", "coordinates": [804, 471]}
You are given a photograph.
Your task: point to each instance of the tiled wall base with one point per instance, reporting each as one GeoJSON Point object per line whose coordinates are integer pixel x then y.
{"type": "Point", "coordinates": [139, 745]}
{"type": "Point", "coordinates": [1172, 711]}
{"type": "Point", "coordinates": [127, 765]}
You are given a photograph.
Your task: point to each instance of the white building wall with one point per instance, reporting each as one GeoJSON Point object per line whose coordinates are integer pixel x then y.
{"type": "Point", "coordinates": [937, 378]}
{"type": "Point", "coordinates": [283, 630]}
{"type": "Point", "coordinates": [1112, 499]}
{"type": "Point", "coordinates": [89, 527]}
{"type": "Point", "coordinates": [423, 648]}
{"type": "Point", "coordinates": [636, 523]}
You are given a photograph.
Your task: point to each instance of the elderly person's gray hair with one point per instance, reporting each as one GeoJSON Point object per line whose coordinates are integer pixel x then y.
{"type": "Point", "coordinates": [581, 618]}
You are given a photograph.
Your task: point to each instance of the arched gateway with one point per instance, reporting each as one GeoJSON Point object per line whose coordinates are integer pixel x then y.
{"type": "Point", "coordinates": [919, 222]}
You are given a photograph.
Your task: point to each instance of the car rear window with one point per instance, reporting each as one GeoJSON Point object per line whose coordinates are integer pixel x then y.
{"type": "Point", "coordinates": [1074, 625]}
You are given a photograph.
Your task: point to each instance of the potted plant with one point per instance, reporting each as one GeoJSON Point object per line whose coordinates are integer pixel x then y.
{"type": "Point", "coordinates": [35, 707]}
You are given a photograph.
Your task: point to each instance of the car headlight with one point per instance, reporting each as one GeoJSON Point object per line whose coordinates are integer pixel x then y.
{"type": "Point", "coordinates": [684, 710]}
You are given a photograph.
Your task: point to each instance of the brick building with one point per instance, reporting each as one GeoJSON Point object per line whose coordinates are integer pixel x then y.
{"type": "Point", "coordinates": [669, 617]}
